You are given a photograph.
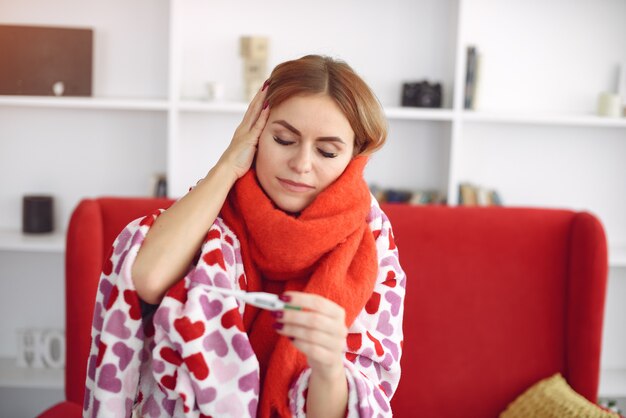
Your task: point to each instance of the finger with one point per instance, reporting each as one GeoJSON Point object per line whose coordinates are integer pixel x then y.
{"type": "Point", "coordinates": [260, 123]}
{"type": "Point", "coordinates": [254, 108]}
{"type": "Point", "coordinates": [331, 342]}
{"type": "Point", "coordinates": [313, 302]}
{"type": "Point", "coordinates": [314, 321]}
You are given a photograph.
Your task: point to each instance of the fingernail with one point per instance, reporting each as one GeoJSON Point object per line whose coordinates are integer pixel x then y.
{"type": "Point", "coordinates": [265, 104]}
{"type": "Point", "coordinates": [267, 83]}
{"type": "Point", "coordinates": [277, 325]}
{"type": "Point", "coordinates": [285, 298]}
{"type": "Point", "coordinates": [277, 314]}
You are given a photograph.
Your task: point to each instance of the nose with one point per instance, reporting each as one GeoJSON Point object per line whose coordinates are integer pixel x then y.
{"type": "Point", "coordinates": [301, 161]}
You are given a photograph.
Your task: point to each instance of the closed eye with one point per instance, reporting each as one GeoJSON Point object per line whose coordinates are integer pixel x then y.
{"type": "Point", "coordinates": [323, 153]}
{"type": "Point", "coordinates": [282, 141]}
{"type": "Point", "coordinates": [327, 154]}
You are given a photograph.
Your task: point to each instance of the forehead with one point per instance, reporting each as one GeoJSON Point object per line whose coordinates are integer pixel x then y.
{"type": "Point", "coordinates": [317, 115]}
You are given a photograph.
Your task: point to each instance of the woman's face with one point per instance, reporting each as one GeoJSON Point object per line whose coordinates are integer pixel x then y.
{"type": "Point", "coordinates": [306, 144]}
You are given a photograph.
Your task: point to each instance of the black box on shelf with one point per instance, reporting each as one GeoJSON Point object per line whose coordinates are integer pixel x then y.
{"type": "Point", "coordinates": [422, 94]}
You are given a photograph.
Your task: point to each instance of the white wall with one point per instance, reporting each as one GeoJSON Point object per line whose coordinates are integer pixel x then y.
{"type": "Point", "coordinates": [112, 154]}
{"type": "Point", "coordinates": [408, 39]}
{"type": "Point", "coordinates": [546, 56]}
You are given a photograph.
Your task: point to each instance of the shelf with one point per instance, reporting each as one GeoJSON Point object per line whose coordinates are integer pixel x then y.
{"type": "Point", "coordinates": [393, 113]}
{"type": "Point", "coordinates": [544, 119]}
{"type": "Point", "coordinates": [612, 383]}
{"type": "Point", "coordinates": [25, 377]}
{"type": "Point", "coordinates": [408, 113]}
{"type": "Point", "coordinates": [212, 106]}
{"type": "Point", "coordinates": [617, 255]}
{"type": "Point", "coordinates": [84, 103]}
{"type": "Point", "coordinates": [13, 240]}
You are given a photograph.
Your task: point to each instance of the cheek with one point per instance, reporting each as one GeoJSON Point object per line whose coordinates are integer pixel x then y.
{"type": "Point", "coordinates": [332, 173]}
{"type": "Point", "coordinates": [264, 161]}
{"type": "Point", "coordinates": [263, 152]}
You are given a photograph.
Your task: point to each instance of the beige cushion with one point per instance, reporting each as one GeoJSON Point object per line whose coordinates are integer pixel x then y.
{"type": "Point", "coordinates": [553, 398]}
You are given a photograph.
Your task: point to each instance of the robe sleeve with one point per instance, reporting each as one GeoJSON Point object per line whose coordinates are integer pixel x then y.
{"type": "Point", "coordinates": [117, 337]}
{"type": "Point", "coordinates": [192, 357]}
{"type": "Point", "coordinates": [374, 343]}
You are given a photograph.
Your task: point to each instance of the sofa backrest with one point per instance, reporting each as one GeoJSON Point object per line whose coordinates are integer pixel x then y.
{"type": "Point", "coordinates": [497, 298]}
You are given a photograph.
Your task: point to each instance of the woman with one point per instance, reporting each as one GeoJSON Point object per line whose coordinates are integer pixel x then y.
{"type": "Point", "coordinates": [285, 211]}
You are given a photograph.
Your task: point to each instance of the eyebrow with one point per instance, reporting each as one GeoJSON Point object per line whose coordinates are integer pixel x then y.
{"type": "Point", "coordinates": [297, 132]}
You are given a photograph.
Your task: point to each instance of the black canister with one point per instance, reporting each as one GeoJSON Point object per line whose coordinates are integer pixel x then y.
{"type": "Point", "coordinates": [37, 214]}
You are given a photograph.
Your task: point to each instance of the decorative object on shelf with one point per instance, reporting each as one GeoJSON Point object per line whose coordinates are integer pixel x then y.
{"type": "Point", "coordinates": [159, 188]}
{"type": "Point", "coordinates": [40, 348]}
{"type": "Point", "coordinates": [472, 195]}
{"type": "Point", "coordinates": [254, 51]}
{"type": "Point", "coordinates": [37, 214]}
{"type": "Point", "coordinates": [422, 94]}
{"type": "Point", "coordinates": [610, 105]}
{"type": "Point", "coordinates": [472, 69]}
{"type": "Point", "coordinates": [214, 91]}
{"type": "Point", "coordinates": [411, 197]}
{"type": "Point", "coordinates": [35, 59]}
{"type": "Point", "coordinates": [58, 88]}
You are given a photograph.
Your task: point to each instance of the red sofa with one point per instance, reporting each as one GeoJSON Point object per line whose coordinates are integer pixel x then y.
{"type": "Point", "coordinates": [497, 299]}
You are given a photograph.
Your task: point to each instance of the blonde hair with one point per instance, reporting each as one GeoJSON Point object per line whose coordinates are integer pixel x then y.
{"type": "Point", "coordinates": [315, 74]}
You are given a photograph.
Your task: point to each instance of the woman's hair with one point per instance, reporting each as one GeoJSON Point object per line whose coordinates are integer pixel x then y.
{"type": "Point", "coordinates": [315, 74]}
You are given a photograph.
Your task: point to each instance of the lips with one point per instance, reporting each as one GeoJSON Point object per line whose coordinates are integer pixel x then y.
{"type": "Point", "coordinates": [295, 186]}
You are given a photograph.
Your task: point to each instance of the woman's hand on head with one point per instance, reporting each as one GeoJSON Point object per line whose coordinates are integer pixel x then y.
{"type": "Point", "coordinates": [318, 331]}
{"type": "Point", "coordinates": [240, 153]}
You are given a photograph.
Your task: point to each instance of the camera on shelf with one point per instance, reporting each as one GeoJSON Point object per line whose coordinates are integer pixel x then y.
{"type": "Point", "coordinates": [421, 94]}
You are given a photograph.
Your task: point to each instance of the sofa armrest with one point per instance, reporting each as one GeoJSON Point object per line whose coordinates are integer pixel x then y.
{"type": "Point", "coordinates": [588, 269]}
{"type": "Point", "coordinates": [82, 263]}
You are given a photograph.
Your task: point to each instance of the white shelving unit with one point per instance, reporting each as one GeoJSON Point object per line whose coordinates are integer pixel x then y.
{"type": "Point", "coordinates": [533, 136]}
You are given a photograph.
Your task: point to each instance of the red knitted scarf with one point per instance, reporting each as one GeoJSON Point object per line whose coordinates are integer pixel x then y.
{"type": "Point", "coordinates": [328, 250]}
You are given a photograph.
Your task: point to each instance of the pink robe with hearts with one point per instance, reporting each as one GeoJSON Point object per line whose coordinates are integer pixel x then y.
{"type": "Point", "coordinates": [192, 357]}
